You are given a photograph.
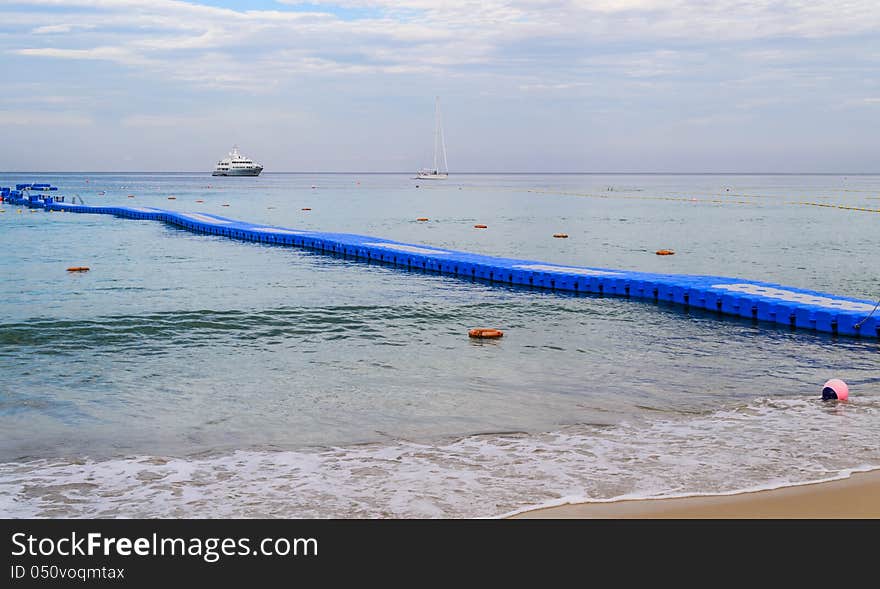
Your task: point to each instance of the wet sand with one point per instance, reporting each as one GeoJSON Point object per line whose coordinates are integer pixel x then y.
{"type": "Point", "coordinates": [857, 497]}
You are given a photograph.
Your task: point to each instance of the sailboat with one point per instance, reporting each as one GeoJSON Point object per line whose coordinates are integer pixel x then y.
{"type": "Point", "coordinates": [437, 172]}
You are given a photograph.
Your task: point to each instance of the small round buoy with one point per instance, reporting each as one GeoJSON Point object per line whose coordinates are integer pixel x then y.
{"type": "Point", "coordinates": [665, 252]}
{"type": "Point", "coordinates": [561, 235]}
{"type": "Point", "coordinates": [485, 333]}
{"type": "Point", "coordinates": [313, 186]}
{"type": "Point", "coordinates": [835, 389]}
{"type": "Point", "coordinates": [78, 269]}
{"type": "Point", "coordinates": [417, 185]}
{"type": "Point", "coordinates": [481, 226]}
{"type": "Point", "coordinates": [422, 219]}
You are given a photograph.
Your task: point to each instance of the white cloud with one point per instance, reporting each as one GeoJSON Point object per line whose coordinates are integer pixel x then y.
{"type": "Point", "coordinates": [117, 54]}
{"type": "Point", "coordinates": [208, 119]}
{"type": "Point", "coordinates": [60, 28]}
{"type": "Point", "coordinates": [171, 37]}
{"type": "Point", "coordinates": [858, 103]}
{"type": "Point", "coordinates": [541, 87]}
{"type": "Point", "coordinates": [154, 121]}
{"type": "Point", "coordinates": [37, 119]}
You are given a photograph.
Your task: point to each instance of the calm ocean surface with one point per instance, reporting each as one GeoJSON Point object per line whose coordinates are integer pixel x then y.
{"type": "Point", "coordinates": [196, 376]}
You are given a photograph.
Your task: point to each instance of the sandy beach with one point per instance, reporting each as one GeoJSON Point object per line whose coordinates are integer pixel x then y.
{"type": "Point", "coordinates": [856, 497]}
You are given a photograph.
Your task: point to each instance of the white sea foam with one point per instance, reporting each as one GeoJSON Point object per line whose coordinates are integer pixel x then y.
{"type": "Point", "coordinates": [765, 444]}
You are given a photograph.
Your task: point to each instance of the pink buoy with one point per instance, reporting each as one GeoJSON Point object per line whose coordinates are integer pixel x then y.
{"type": "Point", "coordinates": [835, 389]}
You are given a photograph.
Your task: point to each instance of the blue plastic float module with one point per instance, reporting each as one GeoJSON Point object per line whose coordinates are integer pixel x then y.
{"type": "Point", "coordinates": [761, 301]}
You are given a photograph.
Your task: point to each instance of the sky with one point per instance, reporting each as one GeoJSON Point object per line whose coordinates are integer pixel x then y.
{"type": "Point", "coordinates": [524, 85]}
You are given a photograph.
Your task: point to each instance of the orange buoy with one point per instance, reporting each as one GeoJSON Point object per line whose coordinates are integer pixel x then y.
{"type": "Point", "coordinates": [78, 269]}
{"type": "Point", "coordinates": [306, 209]}
{"type": "Point", "coordinates": [485, 333]}
{"type": "Point", "coordinates": [422, 219]}
{"type": "Point", "coordinates": [664, 252]}
{"type": "Point", "coordinates": [561, 235]}
{"type": "Point", "coordinates": [481, 226]}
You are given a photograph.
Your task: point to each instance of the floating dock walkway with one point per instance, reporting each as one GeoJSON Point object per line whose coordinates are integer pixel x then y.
{"type": "Point", "coordinates": [760, 301]}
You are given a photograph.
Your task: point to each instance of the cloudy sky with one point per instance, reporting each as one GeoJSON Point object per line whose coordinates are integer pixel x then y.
{"type": "Point", "coordinates": [524, 85]}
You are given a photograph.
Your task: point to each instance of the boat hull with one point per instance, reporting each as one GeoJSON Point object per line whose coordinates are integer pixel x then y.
{"type": "Point", "coordinates": [245, 172]}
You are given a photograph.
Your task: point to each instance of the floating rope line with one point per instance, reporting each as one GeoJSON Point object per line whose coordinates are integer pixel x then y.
{"type": "Point", "coordinates": [837, 206]}
{"type": "Point", "coordinates": [860, 323]}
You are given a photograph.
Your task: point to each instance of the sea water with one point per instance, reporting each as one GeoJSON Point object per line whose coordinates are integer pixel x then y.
{"type": "Point", "coordinates": [195, 376]}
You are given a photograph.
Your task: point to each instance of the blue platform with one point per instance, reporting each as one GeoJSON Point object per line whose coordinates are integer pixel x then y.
{"type": "Point", "coordinates": [760, 301]}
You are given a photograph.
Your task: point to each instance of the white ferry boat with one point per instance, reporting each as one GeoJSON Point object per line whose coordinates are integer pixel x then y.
{"type": "Point", "coordinates": [237, 165]}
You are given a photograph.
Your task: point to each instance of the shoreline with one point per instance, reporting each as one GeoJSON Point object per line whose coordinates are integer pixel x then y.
{"type": "Point", "coordinates": [854, 497]}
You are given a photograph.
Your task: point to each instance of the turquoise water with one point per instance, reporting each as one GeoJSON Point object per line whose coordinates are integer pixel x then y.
{"type": "Point", "coordinates": [184, 369]}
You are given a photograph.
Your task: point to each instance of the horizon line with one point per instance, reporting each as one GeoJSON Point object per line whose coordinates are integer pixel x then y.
{"type": "Point", "coordinates": [481, 173]}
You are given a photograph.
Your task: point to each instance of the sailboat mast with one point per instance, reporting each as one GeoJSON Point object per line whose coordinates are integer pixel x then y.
{"type": "Point", "coordinates": [436, 130]}
{"type": "Point", "coordinates": [437, 172]}
{"type": "Point", "coordinates": [445, 168]}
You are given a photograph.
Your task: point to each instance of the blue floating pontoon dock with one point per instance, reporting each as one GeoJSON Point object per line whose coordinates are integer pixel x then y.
{"type": "Point", "coordinates": [765, 302]}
